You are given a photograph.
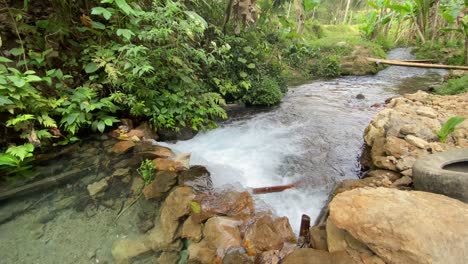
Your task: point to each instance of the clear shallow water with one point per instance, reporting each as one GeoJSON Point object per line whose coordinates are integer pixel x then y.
{"type": "Point", "coordinates": [314, 136]}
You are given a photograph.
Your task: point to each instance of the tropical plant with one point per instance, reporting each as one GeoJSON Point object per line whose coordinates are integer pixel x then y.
{"type": "Point", "coordinates": [449, 127]}
{"type": "Point", "coordinates": [147, 171]}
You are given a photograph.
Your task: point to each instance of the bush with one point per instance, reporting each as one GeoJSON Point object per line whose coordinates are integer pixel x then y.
{"type": "Point", "coordinates": [454, 86]}
{"type": "Point", "coordinates": [265, 92]}
{"type": "Point", "coordinates": [328, 67]}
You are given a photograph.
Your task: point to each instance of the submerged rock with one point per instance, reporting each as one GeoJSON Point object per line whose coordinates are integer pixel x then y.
{"type": "Point", "coordinates": [124, 250]}
{"type": "Point", "coordinates": [402, 226]}
{"type": "Point", "coordinates": [96, 188]}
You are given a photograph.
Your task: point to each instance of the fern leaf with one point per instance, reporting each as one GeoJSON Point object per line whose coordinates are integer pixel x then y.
{"type": "Point", "coordinates": [21, 152]}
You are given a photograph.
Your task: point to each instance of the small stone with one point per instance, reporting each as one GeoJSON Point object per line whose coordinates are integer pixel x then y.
{"type": "Point", "coordinates": [183, 159]}
{"type": "Point", "coordinates": [267, 257]}
{"type": "Point", "coordinates": [201, 253]}
{"type": "Point", "coordinates": [123, 147]}
{"type": "Point", "coordinates": [408, 172]}
{"type": "Point", "coordinates": [360, 96]}
{"type": "Point", "coordinates": [427, 112]}
{"type": "Point", "coordinates": [95, 188]}
{"type": "Point", "coordinates": [403, 181]}
{"type": "Point", "coordinates": [122, 172]}
{"type": "Point", "coordinates": [415, 141]}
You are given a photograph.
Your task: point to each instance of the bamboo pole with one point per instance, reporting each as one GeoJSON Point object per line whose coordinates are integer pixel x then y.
{"type": "Point", "coordinates": [418, 65]}
{"type": "Point", "coordinates": [272, 189]}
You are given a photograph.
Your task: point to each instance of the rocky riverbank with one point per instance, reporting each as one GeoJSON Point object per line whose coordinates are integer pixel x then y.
{"type": "Point", "coordinates": [370, 220]}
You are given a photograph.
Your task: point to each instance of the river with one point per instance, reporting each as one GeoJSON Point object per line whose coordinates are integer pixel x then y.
{"type": "Point", "coordinates": [313, 136]}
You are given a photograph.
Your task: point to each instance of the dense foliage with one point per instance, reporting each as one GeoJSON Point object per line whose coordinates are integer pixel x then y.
{"type": "Point", "coordinates": [67, 67]}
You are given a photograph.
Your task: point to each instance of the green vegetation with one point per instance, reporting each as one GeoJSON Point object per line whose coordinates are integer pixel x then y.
{"type": "Point", "coordinates": [454, 86]}
{"type": "Point", "coordinates": [449, 127]}
{"type": "Point", "coordinates": [147, 171]}
{"type": "Point", "coordinates": [70, 67]}
{"type": "Point", "coordinates": [438, 28]}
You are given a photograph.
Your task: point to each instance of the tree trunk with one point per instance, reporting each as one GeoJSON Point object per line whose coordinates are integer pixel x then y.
{"type": "Point", "coordinates": [227, 15]}
{"type": "Point", "coordinates": [299, 7]}
{"type": "Point", "coordinates": [346, 11]}
{"type": "Point", "coordinates": [434, 22]}
{"type": "Point", "coordinates": [418, 30]}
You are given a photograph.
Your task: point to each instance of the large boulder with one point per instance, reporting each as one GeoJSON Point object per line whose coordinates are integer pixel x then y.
{"type": "Point", "coordinates": [404, 226]}
{"type": "Point", "coordinates": [263, 235]}
{"type": "Point", "coordinates": [176, 206]}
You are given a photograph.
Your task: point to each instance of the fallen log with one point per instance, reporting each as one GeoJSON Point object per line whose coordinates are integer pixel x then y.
{"type": "Point", "coordinates": [272, 189]}
{"type": "Point", "coordinates": [418, 65]}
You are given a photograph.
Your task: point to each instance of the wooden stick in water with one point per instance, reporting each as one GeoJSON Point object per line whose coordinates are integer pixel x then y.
{"type": "Point", "coordinates": [277, 188]}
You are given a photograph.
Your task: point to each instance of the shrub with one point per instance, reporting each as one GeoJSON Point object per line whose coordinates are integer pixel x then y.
{"type": "Point", "coordinates": [265, 92]}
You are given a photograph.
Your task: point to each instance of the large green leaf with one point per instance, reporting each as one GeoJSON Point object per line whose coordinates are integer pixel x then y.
{"type": "Point", "coordinates": [101, 11]}
{"type": "Point", "coordinates": [4, 100]}
{"type": "Point", "coordinates": [91, 67]}
{"type": "Point", "coordinates": [122, 4]}
{"type": "Point", "coordinates": [8, 160]}
{"type": "Point", "coordinates": [449, 127]}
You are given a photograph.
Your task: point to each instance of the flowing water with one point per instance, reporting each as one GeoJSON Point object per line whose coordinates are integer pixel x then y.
{"type": "Point", "coordinates": [314, 136]}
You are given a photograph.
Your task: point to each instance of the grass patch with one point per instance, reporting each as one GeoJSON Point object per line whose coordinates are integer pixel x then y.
{"type": "Point", "coordinates": [454, 86]}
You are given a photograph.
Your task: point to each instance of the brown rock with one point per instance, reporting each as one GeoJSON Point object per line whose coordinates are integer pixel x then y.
{"type": "Point", "coordinates": [148, 132]}
{"type": "Point", "coordinates": [268, 257]}
{"type": "Point", "coordinates": [314, 256]}
{"type": "Point", "coordinates": [222, 233]}
{"type": "Point", "coordinates": [416, 141]}
{"type": "Point", "coordinates": [169, 257]}
{"type": "Point", "coordinates": [404, 227]}
{"type": "Point", "coordinates": [176, 206]}
{"type": "Point", "coordinates": [160, 240]}
{"type": "Point", "coordinates": [146, 150]}
{"type": "Point", "coordinates": [350, 184]}
{"type": "Point", "coordinates": [263, 236]}
{"type": "Point", "coordinates": [135, 133]}
{"type": "Point", "coordinates": [168, 165]}
{"type": "Point", "coordinates": [193, 173]}
{"type": "Point", "coordinates": [391, 175]}
{"type": "Point", "coordinates": [237, 256]}
{"type": "Point", "coordinates": [184, 160]}
{"type": "Point", "coordinates": [397, 147]}
{"type": "Point", "coordinates": [96, 188]}
{"type": "Point", "coordinates": [191, 230]}
{"type": "Point", "coordinates": [162, 183]}
{"type": "Point", "coordinates": [403, 181]}
{"type": "Point", "coordinates": [228, 203]}
{"type": "Point", "coordinates": [284, 229]}
{"type": "Point", "coordinates": [318, 237]}
{"type": "Point", "coordinates": [123, 147]}
{"type": "Point", "coordinates": [124, 250]}
{"type": "Point", "coordinates": [202, 253]}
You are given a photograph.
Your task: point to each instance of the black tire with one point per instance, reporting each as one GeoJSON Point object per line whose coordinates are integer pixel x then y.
{"type": "Point", "coordinates": [429, 175]}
